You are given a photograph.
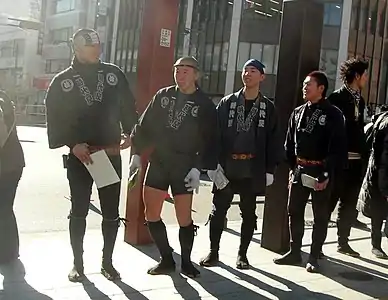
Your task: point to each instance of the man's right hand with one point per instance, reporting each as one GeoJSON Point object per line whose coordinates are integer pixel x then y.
{"type": "Point", "coordinates": [81, 151]}
{"type": "Point", "coordinates": [134, 164]}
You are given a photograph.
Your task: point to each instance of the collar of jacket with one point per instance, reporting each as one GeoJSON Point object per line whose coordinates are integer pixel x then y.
{"type": "Point", "coordinates": [77, 65]}
{"type": "Point", "coordinates": [239, 93]}
{"type": "Point", "coordinates": [355, 94]}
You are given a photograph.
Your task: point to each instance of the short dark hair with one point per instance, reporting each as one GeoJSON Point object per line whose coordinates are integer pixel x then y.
{"type": "Point", "coordinates": [351, 67]}
{"type": "Point", "coordinates": [321, 79]}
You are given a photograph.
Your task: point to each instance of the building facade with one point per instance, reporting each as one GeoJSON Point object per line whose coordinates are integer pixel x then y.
{"type": "Point", "coordinates": [19, 63]}
{"type": "Point", "coordinates": [62, 18]}
{"type": "Point", "coordinates": [223, 34]}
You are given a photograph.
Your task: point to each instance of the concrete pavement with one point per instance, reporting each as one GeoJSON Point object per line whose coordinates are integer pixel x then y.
{"type": "Point", "coordinates": [47, 258]}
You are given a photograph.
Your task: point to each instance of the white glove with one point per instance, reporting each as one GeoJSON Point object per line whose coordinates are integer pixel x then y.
{"type": "Point", "coordinates": [134, 164]}
{"type": "Point", "coordinates": [218, 177]}
{"type": "Point", "coordinates": [192, 180]}
{"type": "Point", "coordinates": [269, 179]}
{"type": "Point", "coordinates": [213, 173]}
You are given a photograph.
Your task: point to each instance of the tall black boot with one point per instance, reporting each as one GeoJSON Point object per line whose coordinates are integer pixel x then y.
{"type": "Point", "coordinates": [186, 239]}
{"type": "Point", "coordinates": [9, 235]}
{"type": "Point", "coordinates": [109, 232]}
{"type": "Point", "coordinates": [248, 226]}
{"type": "Point", "coordinates": [159, 235]}
{"type": "Point", "coordinates": [216, 228]}
{"type": "Point", "coordinates": [77, 227]}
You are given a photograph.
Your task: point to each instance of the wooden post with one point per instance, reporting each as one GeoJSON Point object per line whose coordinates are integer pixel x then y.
{"type": "Point", "coordinates": [299, 54]}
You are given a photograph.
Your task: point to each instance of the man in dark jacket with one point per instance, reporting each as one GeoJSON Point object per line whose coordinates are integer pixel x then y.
{"type": "Point", "coordinates": [315, 145]}
{"type": "Point", "coordinates": [180, 125]}
{"type": "Point", "coordinates": [348, 180]}
{"type": "Point", "coordinates": [250, 149]}
{"type": "Point", "coordinates": [11, 168]}
{"type": "Point", "coordinates": [373, 198]}
{"type": "Point", "coordinates": [90, 108]}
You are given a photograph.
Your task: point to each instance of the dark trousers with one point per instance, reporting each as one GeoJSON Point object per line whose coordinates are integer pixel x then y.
{"type": "Point", "coordinates": [221, 203]}
{"type": "Point", "coordinates": [298, 197]}
{"type": "Point", "coordinates": [379, 210]}
{"type": "Point", "coordinates": [9, 236]}
{"type": "Point", "coordinates": [81, 183]}
{"type": "Point", "coordinates": [346, 189]}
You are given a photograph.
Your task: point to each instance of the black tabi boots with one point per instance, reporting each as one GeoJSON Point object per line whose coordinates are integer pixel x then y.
{"type": "Point", "coordinates": [186, 238]}
{"type": "Point", "coordinates": [77, 227]}
{"type": "Point", "coordinates": [216, 228]}
{"type": "Point", "coordinates": [166, 264]}
{"type": "Point", "coordinates": [109, 232]}
{"type": "Point", "coordinates": [247, 229]}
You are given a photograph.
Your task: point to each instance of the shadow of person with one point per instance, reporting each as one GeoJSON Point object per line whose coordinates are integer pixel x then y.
{"type": "Point", "coordinates": [92, 291]}
{"type": "Point", "coordinates": [129, 291]}
{"type": "Point", "coordinates": [295, 291]}
{"type": "Point", "coordinates": [383, 263]}
{"type": "Point", "coordinates": [213, 283]}
{"type": "Point", "coordinates": [356, 277]}
{"type": "Point", "coordinates": [14, 284]}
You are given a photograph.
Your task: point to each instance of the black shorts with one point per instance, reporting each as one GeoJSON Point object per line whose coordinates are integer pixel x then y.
{"type": "Point", "coordinates": [162, 175]}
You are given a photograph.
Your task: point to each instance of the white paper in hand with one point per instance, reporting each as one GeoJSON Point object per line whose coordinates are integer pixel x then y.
{"type": "Point", "coordinates": [309, 181]}
{"type": "Point", "coordinates": [102, 170]}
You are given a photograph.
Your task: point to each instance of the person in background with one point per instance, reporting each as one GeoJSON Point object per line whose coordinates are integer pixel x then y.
{"type": "Point", "coordinates": [90, 108]}
{"type": "Point", "coordinates": [315, 146]}
{"type": "Point", "coordinates": [180, 125]}
{"type": "Point", "coordinates": [250, 149]}
{"type": "Point", "coordinates": [373, 198]}
{"type": "Point", "coordinates": [348, 181]}
{"type": "Point", "coordinates": [11, 168]}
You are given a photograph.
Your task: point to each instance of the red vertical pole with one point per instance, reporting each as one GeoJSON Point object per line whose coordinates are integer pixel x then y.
{"type": "Point", "coordinates": [154, 71]}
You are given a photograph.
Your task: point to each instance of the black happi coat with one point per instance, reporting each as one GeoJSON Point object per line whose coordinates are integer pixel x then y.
{"type": "Point", "coordinates": [89, 104]}
{"type": "Point", "coordinates": [11, 154]}
{"type": "Point", "coordinates": [257, 134]}
{"type": "Point", "coordinates": [374, 189]}
{"type": "Point", "coordinates": [317, 132]}
{"type": "Point", "coordinates": [353, 112]}
{"type": "Point", "coordinates": [179, 126]}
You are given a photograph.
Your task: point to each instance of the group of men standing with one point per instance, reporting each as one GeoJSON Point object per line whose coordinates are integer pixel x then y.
{"type": "Point", "coordinates": [90, 108]}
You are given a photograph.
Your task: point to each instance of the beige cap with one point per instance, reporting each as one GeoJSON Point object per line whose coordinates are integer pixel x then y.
{"type": "Point", "coordinates": [187, 61]}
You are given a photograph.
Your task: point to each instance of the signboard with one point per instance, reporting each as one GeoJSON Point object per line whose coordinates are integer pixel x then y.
{"type": "Point", "coordinates": [165, 38]}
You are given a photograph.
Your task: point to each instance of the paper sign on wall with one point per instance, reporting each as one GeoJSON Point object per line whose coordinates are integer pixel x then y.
{"type": "Point", "coordinates": [165, 38]}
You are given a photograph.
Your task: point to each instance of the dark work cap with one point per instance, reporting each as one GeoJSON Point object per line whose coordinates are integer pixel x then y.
{"type": "Point", "coordinates": [85, 37]}
{"type": "Point", "coordinates": [187, 61]}
{"type": "Point", "coordinates": [256, 64]}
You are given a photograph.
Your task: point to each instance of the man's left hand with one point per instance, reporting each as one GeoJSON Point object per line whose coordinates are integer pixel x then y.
{"type": "Point", "coordinates": [125, 141]}
{"type": "Point", "coordinates": [193, 180]}
{"type": "Point", "coordinates": [320, 186]}
{"type": "Point", "coordinates": [269, 179]}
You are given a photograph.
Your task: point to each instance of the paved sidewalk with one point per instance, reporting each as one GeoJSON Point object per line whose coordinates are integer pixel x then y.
{"type": "Point", "coordinates": [47, 260]}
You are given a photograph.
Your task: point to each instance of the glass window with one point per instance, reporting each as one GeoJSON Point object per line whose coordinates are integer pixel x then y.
{"type": "Point", "coordinates": [224, 59]}
{"type": "Point", "coordinates": [383, 83]}
{"type": "Point", "coordinates": [363, 19]}
{"type": "Point", "coordinates": [269, 58]}
{"type": "Point", "coordinates": [208, 57]}
{"type": "Point", "coordinates": [216, 57]}
{"type": "Point", "coordinates": [354, 17]}
{"type": "Point", "coordinates": [61, 35]}
{"type": "Point", "coordinates": [275, 66]}
{"type": "Point", "coordinates": [332, 14]}
{"type": "Point", "coordinates": [56, 65]}
{"type": "Point", "coordinates": [64, 5]}
{"type": "Point", "coordinates": [243, 55]}
{"type": "Point", "coordinates": [328, 63]}
{"type": "Point", "coordinates": [256, 51]}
